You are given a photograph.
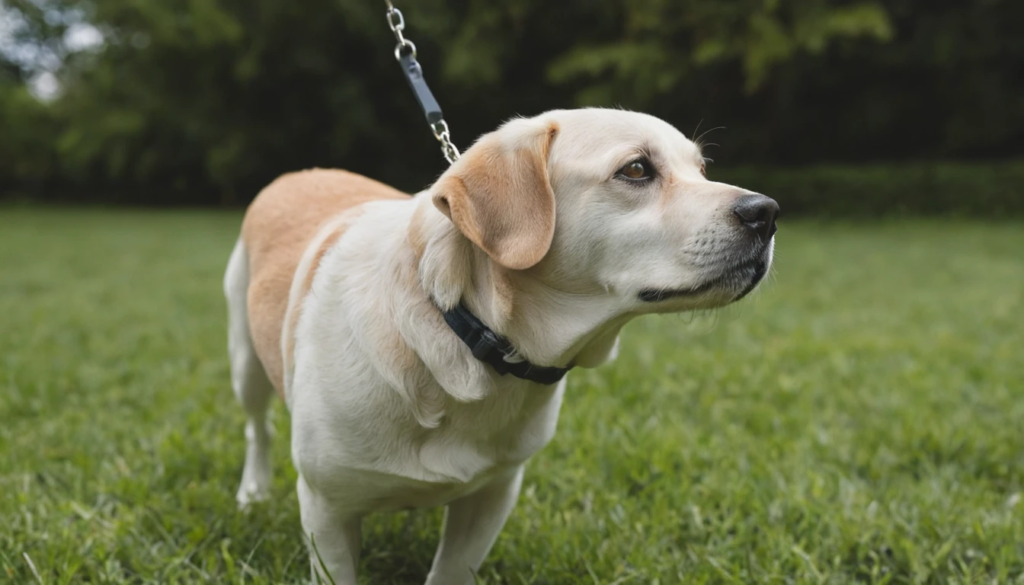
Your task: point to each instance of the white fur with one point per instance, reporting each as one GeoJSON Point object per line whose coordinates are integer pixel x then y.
{"type": "Point", "coordinates": [389, 408]}
{"type": "Point", "coordinates": [249, 381]}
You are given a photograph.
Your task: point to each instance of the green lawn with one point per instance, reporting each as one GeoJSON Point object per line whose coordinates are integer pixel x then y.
{"type": "Point", "coordinates": [860, 419]}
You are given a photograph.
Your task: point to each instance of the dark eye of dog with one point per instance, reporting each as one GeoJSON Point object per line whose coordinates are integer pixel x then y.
{"type": "Point", "coordinates": [704, 165]}
{"type": "Point", "coordinates": [638, 170]}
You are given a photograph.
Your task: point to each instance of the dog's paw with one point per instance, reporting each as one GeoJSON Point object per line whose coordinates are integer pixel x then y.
{"type": "Point", "coordinates": [251, 493]}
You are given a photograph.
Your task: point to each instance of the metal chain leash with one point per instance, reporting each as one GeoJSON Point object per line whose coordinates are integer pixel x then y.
{"type": "Point", "coordinates": [440, 130]}
{"type": "Point", "coordinates": [405, 53]}
{"type": "Point", "coordinates": [397, 23]}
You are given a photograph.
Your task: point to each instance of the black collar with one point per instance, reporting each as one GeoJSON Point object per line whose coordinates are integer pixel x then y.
{"type": "Point", "coordinates": [491, 348]}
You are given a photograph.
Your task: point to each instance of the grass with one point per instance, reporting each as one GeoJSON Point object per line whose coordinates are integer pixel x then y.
{"type": "Point", "coordinates": [861, 419]}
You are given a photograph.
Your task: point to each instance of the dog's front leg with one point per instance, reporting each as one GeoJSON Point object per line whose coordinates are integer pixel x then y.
{"type": "Point", "coordinates": [471, 525]}
{"type": "Point", "coordinates": [333, 536]}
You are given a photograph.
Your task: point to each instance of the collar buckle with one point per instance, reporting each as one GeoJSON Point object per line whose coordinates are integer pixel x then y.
{"type": "Point", "coordinates": [492, 349]}
{"type": "Point", "coordinates": [486, 347]}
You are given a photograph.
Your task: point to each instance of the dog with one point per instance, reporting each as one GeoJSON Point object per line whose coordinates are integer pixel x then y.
{"type": "Point", "coordinates": [421, 342]}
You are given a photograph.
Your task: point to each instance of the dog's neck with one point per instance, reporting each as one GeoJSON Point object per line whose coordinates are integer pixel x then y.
{"type": "Point", "coordinates": [547, 326]}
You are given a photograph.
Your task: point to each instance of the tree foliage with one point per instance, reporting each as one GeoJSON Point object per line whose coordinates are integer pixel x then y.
{"type": "Point", "coordinates": [206, 100]}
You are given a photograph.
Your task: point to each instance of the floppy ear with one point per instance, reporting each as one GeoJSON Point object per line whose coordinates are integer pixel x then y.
{"type": "Point", "coordinates": [499, 195]}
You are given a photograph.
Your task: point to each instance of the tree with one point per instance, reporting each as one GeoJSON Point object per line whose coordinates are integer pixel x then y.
{"type": "Point", "coordinates": [199, 100]}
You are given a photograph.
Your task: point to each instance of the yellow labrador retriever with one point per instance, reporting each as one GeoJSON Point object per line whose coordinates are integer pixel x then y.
{"type": "Point", "coordinates": [420, 342]}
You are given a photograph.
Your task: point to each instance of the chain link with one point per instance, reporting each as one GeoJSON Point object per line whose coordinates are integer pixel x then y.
{"type": "Point", "coordinates": [440, 128]}
{"type": "Point", "coordinates": [397, 23]}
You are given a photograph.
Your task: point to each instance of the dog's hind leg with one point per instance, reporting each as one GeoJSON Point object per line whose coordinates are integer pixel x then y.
{"type": "Point", "coordinates": [249, 380]}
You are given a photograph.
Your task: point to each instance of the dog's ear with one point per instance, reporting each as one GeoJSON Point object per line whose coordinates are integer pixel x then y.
{"type": "Point", "coordinates": [499, 194]}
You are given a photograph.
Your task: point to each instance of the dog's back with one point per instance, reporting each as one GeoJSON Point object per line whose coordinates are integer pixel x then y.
{"type": "Point", "coordinates": [281, 224]}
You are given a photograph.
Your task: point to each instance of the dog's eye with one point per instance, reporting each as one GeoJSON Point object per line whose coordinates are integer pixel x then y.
{"type": "Point", "coordinates": [704, 165]}
{"type": "Point", "coordinates": [637, 170]}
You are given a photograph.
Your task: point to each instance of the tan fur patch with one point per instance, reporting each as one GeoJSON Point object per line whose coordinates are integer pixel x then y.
{"type": "Point", "coordinates": [417, 235]}
{"type": "Point", "coordinates": [278, 227]}
{"type": "Point", "coordinates": [499, 195]}
{"type": "Point", "coordinates": [504, 293]}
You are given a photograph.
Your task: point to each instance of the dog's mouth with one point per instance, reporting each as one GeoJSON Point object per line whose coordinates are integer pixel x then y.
{"type": "Point", "coordinates": [743, 278]}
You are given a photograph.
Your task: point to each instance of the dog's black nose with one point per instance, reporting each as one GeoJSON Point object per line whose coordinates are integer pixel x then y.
{"type": "Point", "coordinates": [758, 213]}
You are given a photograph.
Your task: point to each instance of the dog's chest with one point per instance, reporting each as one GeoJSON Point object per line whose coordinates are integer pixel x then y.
{"type": "Point", "coordinates": [391, 462]}
{"type": "Point", "coordinates": [471, 448]}
{"type": "Point", "coordinates": [478, 438]}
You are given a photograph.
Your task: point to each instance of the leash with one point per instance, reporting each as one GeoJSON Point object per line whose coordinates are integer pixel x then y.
{"type": "Point", "coordinates": [486, 345]}
{"type": "Point", "coordinates": [405, 53]}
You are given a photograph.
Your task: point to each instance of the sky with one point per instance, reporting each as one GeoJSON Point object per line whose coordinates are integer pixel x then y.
{"type": "Point", "coordinates": [43, 63]}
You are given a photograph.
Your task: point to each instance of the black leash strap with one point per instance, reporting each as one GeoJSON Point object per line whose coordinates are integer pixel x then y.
{"type": "Point", "coordinates": [414, 75]}
{"type": "Point", "coordinates": [405, 53]}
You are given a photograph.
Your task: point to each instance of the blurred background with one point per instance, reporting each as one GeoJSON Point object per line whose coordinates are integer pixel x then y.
{"type": "Point", "coordinates": [857, 420]}
{"type": "Point", "coordinates": [835, 108]}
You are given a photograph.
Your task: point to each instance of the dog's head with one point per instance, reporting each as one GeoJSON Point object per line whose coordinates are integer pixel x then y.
{"type": "Point", "coordinates": [609, 203]}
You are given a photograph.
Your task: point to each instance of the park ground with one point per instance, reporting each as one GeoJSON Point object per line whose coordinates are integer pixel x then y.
{"type": "Point", "coordinates": [859, 419]}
